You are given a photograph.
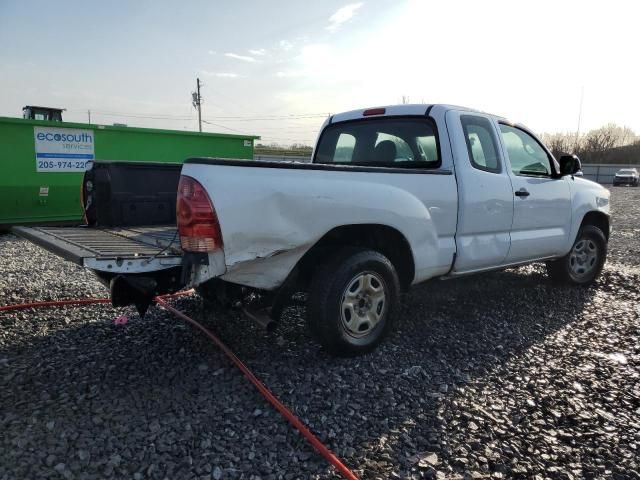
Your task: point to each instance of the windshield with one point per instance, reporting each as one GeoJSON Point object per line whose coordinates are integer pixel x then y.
{"type": "Point", "coordinates": [628, 170]}
{"type": "Point", "coordinates": [384, 142]}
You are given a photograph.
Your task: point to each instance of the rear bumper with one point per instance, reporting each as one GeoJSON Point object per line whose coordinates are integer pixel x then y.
{"type": "Point", "coordinates": [197, 268]}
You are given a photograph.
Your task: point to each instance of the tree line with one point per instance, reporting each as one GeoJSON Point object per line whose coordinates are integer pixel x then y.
{"type": "Point", "coordinates": [297, 149]}
{"type": "Point", "coordinates": [610, 143]}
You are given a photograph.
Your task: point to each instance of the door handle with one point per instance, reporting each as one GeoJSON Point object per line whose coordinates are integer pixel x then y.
{"type": "Point", "coordinates": [523, 192]}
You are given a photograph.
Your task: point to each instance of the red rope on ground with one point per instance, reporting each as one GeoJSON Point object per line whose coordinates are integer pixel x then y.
{"type": "Point", "coordinates": [84, 301]}
{"type": "Point", "coordinates": [53, 303]}
{"type": "Point", "coordinates": [266, 393]}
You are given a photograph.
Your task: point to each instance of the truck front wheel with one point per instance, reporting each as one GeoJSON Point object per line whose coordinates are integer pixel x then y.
{"type": "Point", "coordinates": [583, 264]}
{"type": "Point", "coordinates": [352, 301]}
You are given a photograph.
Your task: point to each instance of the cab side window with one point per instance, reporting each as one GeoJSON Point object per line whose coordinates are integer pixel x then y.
{"type": "Point", "coordinates": [481, 143]}
{"type": "Point", "coordinates": [526, 155]}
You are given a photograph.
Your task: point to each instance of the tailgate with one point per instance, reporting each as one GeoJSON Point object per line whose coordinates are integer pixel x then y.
{"type": "Point", "coordinates": [113, 250]}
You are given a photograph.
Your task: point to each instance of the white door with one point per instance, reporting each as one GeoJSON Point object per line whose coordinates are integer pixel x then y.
{"type": "Point", "coordinates": [485, 210]}
{"type": "Point", "coordinates": [542, 200]}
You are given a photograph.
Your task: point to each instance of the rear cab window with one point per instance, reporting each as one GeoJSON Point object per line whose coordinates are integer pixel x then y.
{"type": "Point", "coordinates": [382, 142]}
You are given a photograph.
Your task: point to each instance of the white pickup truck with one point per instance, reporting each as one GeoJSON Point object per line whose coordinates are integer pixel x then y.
{"type": "Point", "coordinates": [394, 196]}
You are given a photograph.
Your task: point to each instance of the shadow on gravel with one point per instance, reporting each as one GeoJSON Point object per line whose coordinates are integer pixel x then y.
{"type": "Point", "coordinates": [380, 410]}
{"type": "Point", "coordinates": [453, 335]}
{"type": "Point", "coordinates": [377, 411]}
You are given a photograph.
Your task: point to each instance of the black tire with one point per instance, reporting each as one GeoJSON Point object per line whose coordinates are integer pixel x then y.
{"type": "Point", "coordinates": [347, 331]}
{"type": "Point", "coordinates": [578, 267]}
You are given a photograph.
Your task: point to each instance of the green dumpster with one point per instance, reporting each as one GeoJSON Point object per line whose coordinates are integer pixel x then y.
{"type": "Point", "coordinates": [42, 162]}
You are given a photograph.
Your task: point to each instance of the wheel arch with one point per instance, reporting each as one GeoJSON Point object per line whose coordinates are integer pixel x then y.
{"type": "Point", "coordinates": [597, 219]}
{"type": "Point", "coordinates": [386, 240]}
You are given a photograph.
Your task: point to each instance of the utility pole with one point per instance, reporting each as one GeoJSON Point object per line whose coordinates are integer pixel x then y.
{"type": "Point", "coordinates": [197, 103]}
{"type": "Point", "coordinates": [89, 114]}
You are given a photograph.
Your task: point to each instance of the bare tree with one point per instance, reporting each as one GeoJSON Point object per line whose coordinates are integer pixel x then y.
{"type": "Point", "coordinates": [598, 143]}
{"type": "Point", "coordinates": [559, 143]}
{"type": "Point", "coordinates": [595, 146]}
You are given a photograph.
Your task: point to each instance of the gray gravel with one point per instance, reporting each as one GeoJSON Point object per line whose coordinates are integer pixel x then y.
{"type": "Point", "coordinates": [501, 375]}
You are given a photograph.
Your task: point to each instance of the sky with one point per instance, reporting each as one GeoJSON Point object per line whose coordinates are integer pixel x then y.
{"type": "Point", "coordinates": [277, 69]}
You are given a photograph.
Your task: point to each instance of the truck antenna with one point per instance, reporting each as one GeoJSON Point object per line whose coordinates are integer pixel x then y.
{"type": "Point", "coordinates": [575, 146]}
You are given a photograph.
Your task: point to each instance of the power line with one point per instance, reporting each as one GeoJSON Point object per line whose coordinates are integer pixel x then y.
{"type": "Point", "coordinates": [227, 128]}
{"type": "Point", "coordinates": [269, 138]}
{"type": "Point", "coordinates": [267, 117]}
{"type": "Point", "coordinates": [161, 116]}
{"type": "Point", "coordinates": [152, 116]}
{"type": "Point", "coordinates": [263, 119]}
{"type": "Point", "coordinates": [262, 138]}
{"type": "Point", "coordinates": [290, 128]}
{"type": "Point", "coordinates": [294, 126]}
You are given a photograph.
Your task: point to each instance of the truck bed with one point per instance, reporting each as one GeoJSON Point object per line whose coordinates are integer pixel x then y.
{"type": "Point", "coordinates": [118, 250]}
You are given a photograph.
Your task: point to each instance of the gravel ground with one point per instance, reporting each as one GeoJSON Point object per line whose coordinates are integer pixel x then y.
{"type": "Point", "coordinates": [502, 375]}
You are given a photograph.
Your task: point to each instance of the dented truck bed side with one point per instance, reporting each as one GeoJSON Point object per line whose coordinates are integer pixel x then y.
{"type": "Point", "coordinates": [274, 215]}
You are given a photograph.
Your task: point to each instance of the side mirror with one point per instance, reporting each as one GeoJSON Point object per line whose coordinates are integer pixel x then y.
{"type": "Point", "coordinates": [570, 165]}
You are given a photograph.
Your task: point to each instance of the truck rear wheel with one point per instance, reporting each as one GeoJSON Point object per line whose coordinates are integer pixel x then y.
{"type": "Point", "coordinates": [352, 301]}
{"type": "Point", "coordinates": [583, 264]}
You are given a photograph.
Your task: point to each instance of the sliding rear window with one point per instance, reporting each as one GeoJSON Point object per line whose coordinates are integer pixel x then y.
{"type": "Point", "coordinates": [384, 142]}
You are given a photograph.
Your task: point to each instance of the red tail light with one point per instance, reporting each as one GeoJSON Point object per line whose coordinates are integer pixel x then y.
{"type": "Point", "coordinates": [198, 224]}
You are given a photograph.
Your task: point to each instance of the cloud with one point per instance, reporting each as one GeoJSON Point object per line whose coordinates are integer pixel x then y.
{"type": "Point", "coordinates": [308, 63]}
{"type": "Point", "coordinates": [244, 58]}
{"type": "Point", "coordinates": [285, 45]}
{"type": "Point", "coordinates": [291, 74]}
{"type": "Point", "coordinates": [220, 74]}
{"type": "Point", "coordinates": [258, 52]}
{"type": "Point", "coordinates": [212, 52]}
{"type": "Point", "coordinates": [343, 15]}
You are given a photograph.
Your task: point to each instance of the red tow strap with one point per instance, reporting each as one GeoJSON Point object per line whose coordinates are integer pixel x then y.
{"type": "Point", "coordinates": [266, 393]}
{"type": "Point", "coordinates": [53, 303]}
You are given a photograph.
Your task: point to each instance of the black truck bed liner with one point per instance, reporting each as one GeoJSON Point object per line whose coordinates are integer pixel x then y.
{"type": "Point", "coordinates": [130, 213]}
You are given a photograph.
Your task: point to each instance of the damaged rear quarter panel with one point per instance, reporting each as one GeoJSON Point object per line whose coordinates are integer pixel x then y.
{"type": "Point", "coordinates": [270, 217]}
